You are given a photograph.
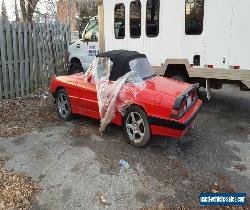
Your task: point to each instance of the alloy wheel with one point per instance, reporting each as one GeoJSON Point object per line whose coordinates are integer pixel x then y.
{"type": "Point", "coordinates": [63, 105]}
{"type": "Point", "coordinates": [135, 127]}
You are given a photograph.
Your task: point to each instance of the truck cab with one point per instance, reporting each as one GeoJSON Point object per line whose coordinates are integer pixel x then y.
{"type": "Point", "coordinates": [83, 51]}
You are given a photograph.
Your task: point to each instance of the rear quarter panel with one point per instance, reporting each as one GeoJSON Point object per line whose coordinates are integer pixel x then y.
{"type": "Point", "coordinates": [156, 104]}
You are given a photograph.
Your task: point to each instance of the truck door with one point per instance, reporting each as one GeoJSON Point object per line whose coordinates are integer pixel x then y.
{"type": "Point", "coordinates": [135, 25]}
{"type": "Point", "coordinates": [194, 31]}
{"type": "Point", "coordinates": [218, 32]}
{"type": "Point", "coordinates": [152, 38]}
{"type": "Point", "coordinates": [119, 28]}
{"type": "Point", "coordinates": [240, 39]}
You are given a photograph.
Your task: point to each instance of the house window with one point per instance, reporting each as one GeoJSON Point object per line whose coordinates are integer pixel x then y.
{"type": "Point", "coordinates": [194, 17]}
{"type": "Point", "coordinates": [119, 23]}
{"type": "Point", "coordinates": [135, 19]}
{"type": "Point", "coordinates": [152, 18]}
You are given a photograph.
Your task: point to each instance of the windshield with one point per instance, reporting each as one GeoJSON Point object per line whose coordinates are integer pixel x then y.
{"type": "Point", "coordinates": [142, 67]}
{"type": "Point", "coordinates": [92, 31]}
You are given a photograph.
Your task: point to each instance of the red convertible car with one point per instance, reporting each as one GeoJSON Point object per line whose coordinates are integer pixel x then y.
{"type": "Point", "coordinates": [163, 106]}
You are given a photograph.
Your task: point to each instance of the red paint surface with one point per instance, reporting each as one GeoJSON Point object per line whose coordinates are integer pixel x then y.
{"type": "Point", "coordinates": [157, 99]}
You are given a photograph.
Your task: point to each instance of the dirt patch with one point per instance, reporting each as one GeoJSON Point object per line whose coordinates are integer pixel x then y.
{"type": "Point", "coordinates": [240, 167]}
{"type": "Point", "coordinates": [16, 191]}
{"type": "Point", "coordinates": [244, 128]}
{"type": "Point", "coordinates": [19, 116]}
{"type": "Point", "coordinates": [161, 206]}
{"type": "Point", "coordinates": [85, 127]}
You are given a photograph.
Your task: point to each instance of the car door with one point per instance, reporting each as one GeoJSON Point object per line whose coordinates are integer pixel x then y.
{"type": "Point", "coordinates": [86, 97]}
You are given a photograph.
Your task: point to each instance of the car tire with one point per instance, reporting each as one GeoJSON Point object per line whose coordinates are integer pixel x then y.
{"type": "Point", "coordinates": [136, 126]}
{"type": "Point", "coordinates": [63, 106]}
{"type": "Point", "coordinates": [179, 78]}
{"type": "Point", "coordinates": [75, 68]}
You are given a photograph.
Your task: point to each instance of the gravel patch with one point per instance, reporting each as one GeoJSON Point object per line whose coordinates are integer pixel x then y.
{"type": "Point", "coordinates": [19, 116]}
{"type": "Point", "coordinates": [16, 191]}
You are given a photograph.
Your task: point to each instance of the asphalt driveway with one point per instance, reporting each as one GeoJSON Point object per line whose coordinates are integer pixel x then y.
{"type": "Point", "coordinates": [77, 168]}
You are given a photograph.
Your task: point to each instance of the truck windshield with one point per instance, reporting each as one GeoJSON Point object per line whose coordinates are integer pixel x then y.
{"type": "Point", "coordinates": [142, 67]}
{"type": "Point", "coordinates": [92, 31]}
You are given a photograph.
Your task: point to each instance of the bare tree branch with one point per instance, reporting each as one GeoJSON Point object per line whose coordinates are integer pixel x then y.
{"type": "Point", "coordinates": [23, 10]}
{"type": "Point", "coordinates": [28, 9]}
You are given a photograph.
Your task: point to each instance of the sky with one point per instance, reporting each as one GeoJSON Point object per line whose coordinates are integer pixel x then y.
{"type": "Point", "coordinates": [10, 7]}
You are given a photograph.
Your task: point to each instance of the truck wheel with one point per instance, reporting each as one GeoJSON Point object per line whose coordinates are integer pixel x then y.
{"type": "Point", "coordinates": [179, 78]}
{"type": "Point", "coordinates": [136, 126]}
{"type": "Point", "coordinates": [75, 68]}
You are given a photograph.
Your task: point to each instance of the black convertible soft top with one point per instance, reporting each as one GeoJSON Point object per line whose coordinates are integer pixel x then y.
{"type": "Point", "coordinates": [120, 59]}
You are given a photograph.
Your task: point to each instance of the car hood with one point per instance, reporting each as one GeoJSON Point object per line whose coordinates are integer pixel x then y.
{"type": "Point", "coordinates": [166, 85]}
{"type": "Point", "coordinates": [74, 78]}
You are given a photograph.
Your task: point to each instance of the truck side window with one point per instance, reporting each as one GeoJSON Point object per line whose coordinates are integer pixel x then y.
{"type": "Point", "coordinates": [135, 19]}
{"type": "Point", "coordinates": [119, 23]}
{"type": "Point", "coordinates": [92, 31]}
{"type": "Point", "coordinates": [194, 17]}
{"type": "Point", "coordinates": [152, 18]}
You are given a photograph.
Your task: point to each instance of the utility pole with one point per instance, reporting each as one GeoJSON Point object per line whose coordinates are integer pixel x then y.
{"type": "Point", "coordinates": [70, 18]}
{"type": "Point", "coordinates": [70, 12]}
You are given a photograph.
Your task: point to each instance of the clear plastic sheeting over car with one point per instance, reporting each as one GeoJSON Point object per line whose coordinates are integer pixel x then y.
{"type": "Point", "coordinates": [142, 67]}
{"type": "Point", "coordinates": [116, 95]}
